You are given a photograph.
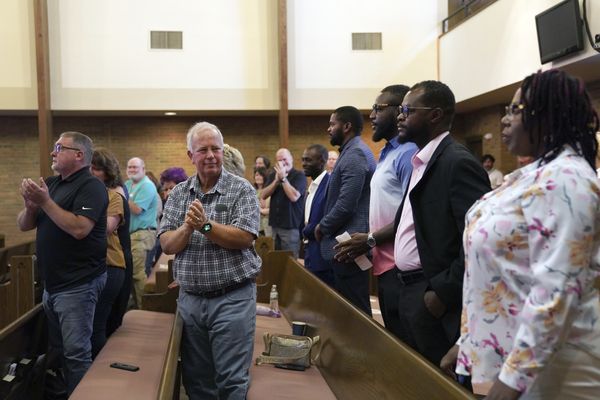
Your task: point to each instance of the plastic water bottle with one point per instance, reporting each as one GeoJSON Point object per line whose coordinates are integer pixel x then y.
{"type": "Point", "coordinates": [274, 300]}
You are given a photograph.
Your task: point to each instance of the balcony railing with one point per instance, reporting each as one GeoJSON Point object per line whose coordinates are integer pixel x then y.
{"type": "Point", "coordinates": [464, 12]}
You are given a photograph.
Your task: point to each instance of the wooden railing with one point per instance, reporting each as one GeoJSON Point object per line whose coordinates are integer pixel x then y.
{"type": "Point", "coordinates": [463, 12]}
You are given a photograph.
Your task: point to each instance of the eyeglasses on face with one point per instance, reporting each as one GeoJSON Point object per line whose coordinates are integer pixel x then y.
{"type": "Point", "coordinates": [513, 109]}
{"type": "Point", "coordinates": [380, 107]}
{"type": "Point", "coordinates": [405, 110]}
{"type": "Point", "coordinates": [59, 147]}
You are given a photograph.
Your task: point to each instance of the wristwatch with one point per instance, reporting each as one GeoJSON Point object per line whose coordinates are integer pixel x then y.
{"type": "Point", "coordinates": [371, 240]}
{"type": "Point", "coordinates": [207, 227]}
{"type": "Point", "coordinates": [283, 180]}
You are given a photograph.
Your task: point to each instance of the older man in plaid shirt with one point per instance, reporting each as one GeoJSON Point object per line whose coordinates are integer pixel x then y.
{"type": "Point", "coordinates": [210, 222]}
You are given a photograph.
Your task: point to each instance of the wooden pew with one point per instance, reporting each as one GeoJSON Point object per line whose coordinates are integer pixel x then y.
{"type": "Point", "coordinates": [163, 298]}
{"type": "Point", "coordinates": [149, 340]}
{"type": "Point", "coordinates": [161, 265]}
{"type": "Point", "coordinates": [22, 249]}
{"type": "Point", "coordinates": [268, 382]}
{"type": "Point", "coordinates": [359, 359]}
{"type": "Point", "coordinates": [26, 337]}
{"type": "Point", "coordinates": [18, 292]}
{"type": "Point", "coordinates": [159, 297]}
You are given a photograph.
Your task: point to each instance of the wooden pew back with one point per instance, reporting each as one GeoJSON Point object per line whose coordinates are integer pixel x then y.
{"type": "Point", "coordinates": [22, 249]}
{"type": "Point", "coordinates": [17, 293]}
{"type": "Point", "coordinates": [359, 359]}
{"type": "Point", "coordinates": [26, 337]}
{"type": "Point", "coordinates": [164, 299]}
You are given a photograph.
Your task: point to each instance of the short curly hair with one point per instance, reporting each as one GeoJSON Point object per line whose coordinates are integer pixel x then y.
{"type": "Point", "coordinates": [173, 174]}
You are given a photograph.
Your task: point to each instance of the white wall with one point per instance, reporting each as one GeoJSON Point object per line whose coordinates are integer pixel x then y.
{"type": "Point", "coordinates": [18, 82]}
{"type": "Point", "coordinates": [324, 71]}
{"type": "Point", "coordinates": [101, 57]}
{"type": "Point", "coordinates": [499, 47]}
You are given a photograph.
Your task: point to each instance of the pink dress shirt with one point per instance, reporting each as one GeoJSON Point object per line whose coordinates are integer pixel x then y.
{"type": "Point", "coordinates": [406, 253]}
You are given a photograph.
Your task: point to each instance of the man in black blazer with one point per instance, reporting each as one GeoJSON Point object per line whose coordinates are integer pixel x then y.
{"type": "Point", "coordinates": [314, 160]}
{"type": "Point", "coordinates": [446, 180]}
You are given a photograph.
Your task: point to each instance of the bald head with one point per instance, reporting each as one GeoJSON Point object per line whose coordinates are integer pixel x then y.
{"type": "Point", "coordinates": [136, 169]}
{"type": "Point", "coordinates": [284, 159]}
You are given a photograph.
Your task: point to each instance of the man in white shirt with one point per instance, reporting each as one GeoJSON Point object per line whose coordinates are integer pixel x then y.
{"type": "Point", "coordinates": [496, 177]}
{"type": "Point", "coordinates": [314, 160]}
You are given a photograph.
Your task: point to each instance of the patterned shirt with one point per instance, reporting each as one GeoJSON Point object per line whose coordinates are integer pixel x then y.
{"type": "Point", "coordinates": [203, 265]}
{"type": "Point", "coordinates": [531, 258]}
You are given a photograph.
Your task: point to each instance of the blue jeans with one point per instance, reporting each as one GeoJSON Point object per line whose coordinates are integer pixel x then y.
{"type": "Point", "coordinates": [217, 343]}
{"type": "Point", "coordinates": [114, 281]}
{"type": "Point", "coordinates": [70, 315]}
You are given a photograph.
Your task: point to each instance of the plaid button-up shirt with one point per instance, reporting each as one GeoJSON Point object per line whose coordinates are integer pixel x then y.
{"type": "Point", "coordinates": [203, 265]}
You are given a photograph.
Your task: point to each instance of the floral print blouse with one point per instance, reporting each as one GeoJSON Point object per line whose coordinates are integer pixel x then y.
{"type": "Point", "coordinates": [531, 259]}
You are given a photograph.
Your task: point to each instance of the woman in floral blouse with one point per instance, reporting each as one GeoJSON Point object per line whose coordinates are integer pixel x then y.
{"type": "Point", "coordinates": [531, 314]}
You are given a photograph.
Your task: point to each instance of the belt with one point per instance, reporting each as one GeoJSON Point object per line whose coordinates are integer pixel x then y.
{"type": "Point", "coordinates": [211, 294]}
{"type": "Point", "coordinates": [144, 229]}
{"type": "Point", "coordinates": [410, 277]}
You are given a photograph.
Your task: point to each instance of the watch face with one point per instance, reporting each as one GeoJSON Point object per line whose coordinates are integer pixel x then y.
{"type": "Point", "coordinates": [206, 227]}
{"type": "Point", "coordinates": [371, 241]}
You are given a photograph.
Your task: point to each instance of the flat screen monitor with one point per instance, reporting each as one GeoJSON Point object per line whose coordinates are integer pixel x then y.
{"type": "Point", "coordinates": [559, 30]}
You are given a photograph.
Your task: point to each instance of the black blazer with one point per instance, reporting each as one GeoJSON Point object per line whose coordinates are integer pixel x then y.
{"type": "Point", "coordinates": [453, 180]}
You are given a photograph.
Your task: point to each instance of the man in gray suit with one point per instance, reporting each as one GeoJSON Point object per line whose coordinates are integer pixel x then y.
{"type": "Point", "coordinates": [347, 204]}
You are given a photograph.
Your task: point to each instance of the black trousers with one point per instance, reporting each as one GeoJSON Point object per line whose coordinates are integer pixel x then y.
{"type": "Point", "coordinates": [352, 283]}
{"type": "Point", "coordinates": [406, 316]}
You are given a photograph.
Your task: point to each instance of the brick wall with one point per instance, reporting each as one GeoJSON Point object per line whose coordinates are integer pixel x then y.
{"type": "Point", "coordinates": [471, 128]}
{"type": "Point", "coordinates": [159, 141]}
{"type": "Point", "coordinates": [473, 125]}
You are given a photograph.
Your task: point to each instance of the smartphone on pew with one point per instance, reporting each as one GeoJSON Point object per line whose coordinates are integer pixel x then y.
{"type": "Point", "coordinates": [126, 367]}
{"type": "Point", "coordinates": [290, 366]}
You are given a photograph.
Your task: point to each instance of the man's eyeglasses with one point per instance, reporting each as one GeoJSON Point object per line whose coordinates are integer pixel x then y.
{"type": "Point", "coordinates": [513, 109]}
{"type": "Point", "coordinates": [59, 147]}
{"type": "Point", "coordinates": [405, 110]}
{"type": "Point", "coordinates": [380, 107]}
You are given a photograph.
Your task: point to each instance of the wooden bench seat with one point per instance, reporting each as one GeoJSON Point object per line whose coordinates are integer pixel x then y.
{"type": "Point", "coordinates": [268, 382]}
{"type": "Point", "coordinates": [149, 340]}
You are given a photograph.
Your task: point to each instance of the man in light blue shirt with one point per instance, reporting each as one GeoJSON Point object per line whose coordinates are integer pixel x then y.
{"type": "Point", "coordinates": [143, 204]}
{"type": "Point", "coordinates": [388, 187]}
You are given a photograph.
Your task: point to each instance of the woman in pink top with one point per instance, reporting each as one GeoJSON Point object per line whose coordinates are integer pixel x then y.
{"type": "Point", "coordinates": [531, 313]}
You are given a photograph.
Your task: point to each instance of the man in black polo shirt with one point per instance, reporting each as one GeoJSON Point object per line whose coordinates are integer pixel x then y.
{"type": "Point", "coordinates": [286, 189]}
{"type": "Point", "coordinates": [69, 212]}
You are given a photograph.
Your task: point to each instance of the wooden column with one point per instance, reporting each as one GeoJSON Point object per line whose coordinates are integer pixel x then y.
{"type": "Point", "coordinates": [283, 73]}
{"type": "Point", "coordinates": [42, 53]}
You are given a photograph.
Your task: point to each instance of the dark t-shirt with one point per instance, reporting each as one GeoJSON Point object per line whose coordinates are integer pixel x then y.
{"type": "Point", "coordinates": [282, 212]}
{"type": "Point", "coordinates": [65, 262]}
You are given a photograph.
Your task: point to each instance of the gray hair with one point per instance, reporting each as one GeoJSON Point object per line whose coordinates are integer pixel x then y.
{"type": "Point", "coordinates": [200, 127]}
{"type": "Point", "coordinates": [233, 161]}
{"type": "Point", "coordinates": [81, 141]}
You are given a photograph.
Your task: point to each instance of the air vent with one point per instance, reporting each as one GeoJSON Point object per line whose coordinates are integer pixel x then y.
{"type": "Point", "coordinates": [366, 40]}
{"type": "Point", "coordinates": [166, 40]}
